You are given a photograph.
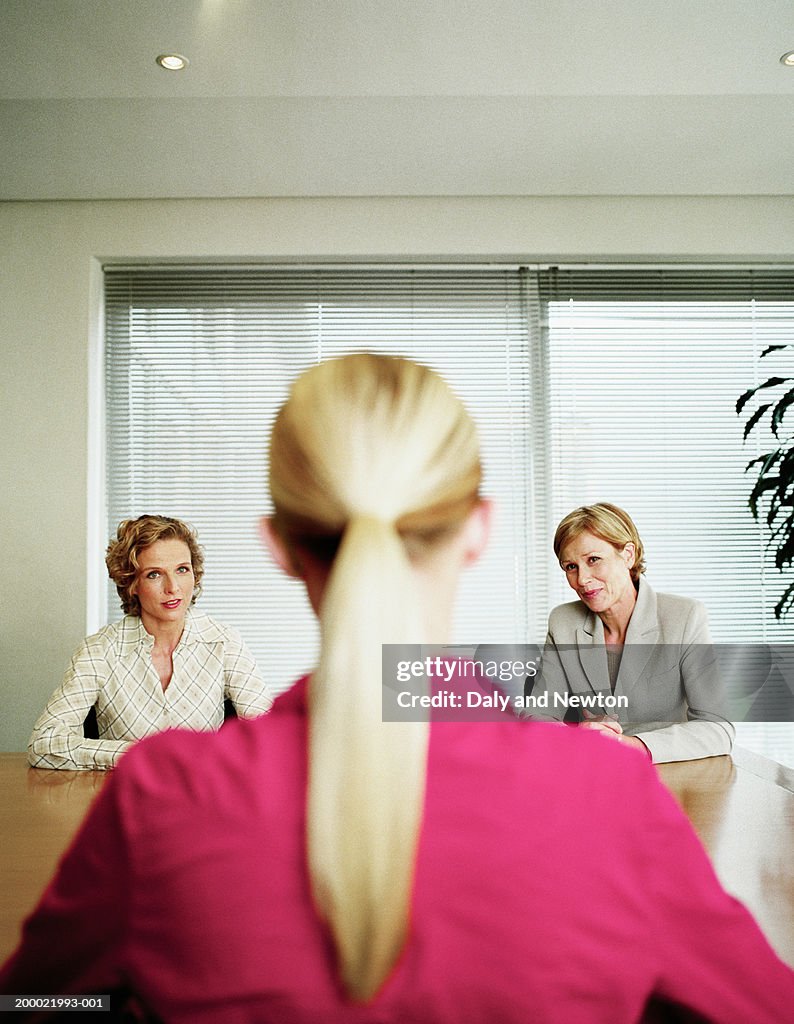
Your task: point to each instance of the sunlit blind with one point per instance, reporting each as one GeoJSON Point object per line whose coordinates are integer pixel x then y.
{"type": "Point", "coordinates": [199, 360]}
{"type": "Point", "coordinates": [587, 384]}
{"type": "Point", "coordinates": [644, 370]}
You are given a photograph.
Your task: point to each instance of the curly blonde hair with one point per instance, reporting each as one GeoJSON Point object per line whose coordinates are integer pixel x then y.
{"type": "Point", "coordinates": [132, 536]}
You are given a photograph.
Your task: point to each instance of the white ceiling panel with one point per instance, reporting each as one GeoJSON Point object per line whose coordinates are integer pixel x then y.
{"type": "Point", "coordinates": [346, 97]}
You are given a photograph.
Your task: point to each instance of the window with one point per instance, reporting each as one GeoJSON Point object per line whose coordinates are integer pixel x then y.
{"type": "Point", "coordinates": [197, 364]}
{"type": "Point", "coordinates": [587, 384]}
{"type": "Point", "coordinates": [644, 368]}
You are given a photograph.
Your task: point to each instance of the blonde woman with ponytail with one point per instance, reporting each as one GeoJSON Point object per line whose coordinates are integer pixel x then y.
{"type": "Point", "coordinates": [379, 453]}
{"type": "Point", "coordinates": [321, 865]}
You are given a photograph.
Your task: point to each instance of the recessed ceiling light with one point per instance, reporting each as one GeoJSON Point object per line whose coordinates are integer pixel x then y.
{"type": "Point", "coordinates": [788, 59]}
{"type": "Point", "coordinates": [172, 61]}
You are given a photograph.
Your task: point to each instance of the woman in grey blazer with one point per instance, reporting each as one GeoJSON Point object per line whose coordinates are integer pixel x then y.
{"type": "Point", "coordinates": [636, 665]}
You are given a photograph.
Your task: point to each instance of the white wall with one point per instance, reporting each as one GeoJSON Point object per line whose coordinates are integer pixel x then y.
{"type": "Point", "coordinates": [50, 254]}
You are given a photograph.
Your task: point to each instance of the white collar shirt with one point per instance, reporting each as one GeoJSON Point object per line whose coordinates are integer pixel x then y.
{"type": "Point", "coordinates": [113, 672]}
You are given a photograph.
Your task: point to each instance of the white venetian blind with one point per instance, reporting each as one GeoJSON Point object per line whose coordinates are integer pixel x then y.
{"type": "Point", "coordinates": [644, 370]}
{"type": "Point", "coordinates": [199, 360]}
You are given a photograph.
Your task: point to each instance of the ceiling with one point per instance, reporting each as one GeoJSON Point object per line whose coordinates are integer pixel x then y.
{"type": "Point", "coordinates": [416, 97]}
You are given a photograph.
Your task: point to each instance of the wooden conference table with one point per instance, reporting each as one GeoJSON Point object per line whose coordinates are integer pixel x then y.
{"type": "Point", "coordinates": [741, 806]}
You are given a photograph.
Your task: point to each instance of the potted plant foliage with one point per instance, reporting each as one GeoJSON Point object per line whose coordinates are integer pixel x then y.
{"type": "Point", "coordinates": [775, 470]}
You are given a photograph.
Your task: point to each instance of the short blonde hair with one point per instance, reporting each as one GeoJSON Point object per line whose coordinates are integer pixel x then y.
{"type": "Point", "coordinates": [373, 461]}
{"type": "Point", "coordinates": [607, 521]}
{"type": "Point", "coordinates": [132, 537]}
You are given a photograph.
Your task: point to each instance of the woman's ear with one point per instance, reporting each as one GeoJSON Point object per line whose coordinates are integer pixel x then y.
{"type": "Point", "coordinates": [477, 530]}
{"type": "Point", "coordinates": [630, 554]}
{"type": "Point", "coordinates": [277, 548]}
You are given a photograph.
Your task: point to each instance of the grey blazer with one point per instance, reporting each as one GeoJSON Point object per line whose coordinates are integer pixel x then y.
{"type": "Point", "coordinates": [668, 674]}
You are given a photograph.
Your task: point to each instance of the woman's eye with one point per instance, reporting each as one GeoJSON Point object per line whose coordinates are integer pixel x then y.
{"type": "Point", "coordinates": [594, 559]}
{"type": "Point", "coordinates": [152, 575]}
{"type": "Point", "coordinates": [184, 568]}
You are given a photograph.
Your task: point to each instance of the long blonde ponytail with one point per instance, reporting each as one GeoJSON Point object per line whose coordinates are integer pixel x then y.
{"type": "Point", "coordinates": [374, 452]}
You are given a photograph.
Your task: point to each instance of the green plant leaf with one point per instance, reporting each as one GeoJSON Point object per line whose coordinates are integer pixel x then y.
{"type": "Point", "coordinates": [759, 412]}
{"type": "Point", "coordinates": [762, 485]}
{"type": "Point", "coordinates": [771, 383]}
{"type": "Point", "coordinates": [775, 506]}
{"type": "Point", "coordinates": [780, 410]}
{"type": "Point", "coordinates": [785, 553]}
{"type": "Point", "coordinates": [786, 468]}
{"type": "Point", "coordinates": [783, 525]}
{"type": "Point", "coordinates": [774, 476]}
{"type": "Point", "coordinates": [785, 601]}
{"type": "Point", "coordinates": [768, 459]}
